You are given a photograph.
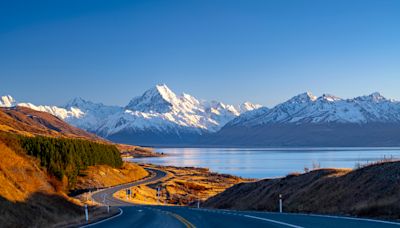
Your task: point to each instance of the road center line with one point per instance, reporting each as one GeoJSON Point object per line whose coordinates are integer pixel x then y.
{"type": "Point", "coordinates": [273, 221]}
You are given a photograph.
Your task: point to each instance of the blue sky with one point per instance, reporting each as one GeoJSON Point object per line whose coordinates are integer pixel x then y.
{"type": "Point", "coordinates": [262, 51]}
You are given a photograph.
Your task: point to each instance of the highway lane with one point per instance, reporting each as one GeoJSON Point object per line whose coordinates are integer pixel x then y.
{"type": "Point", "coordinates": [170, 216]}
{"type": "Point", "coordinates": [229, 218]}
{"type": "Point", "coordinates": [105, 196]}
{"type": "Point", "coordinates": [136, 216]}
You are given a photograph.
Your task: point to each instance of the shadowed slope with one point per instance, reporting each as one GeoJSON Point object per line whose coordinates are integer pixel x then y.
{"type": "Point", "coordinates": [369, 191]}
{"type": "Point", "coordinates": [30, 122]}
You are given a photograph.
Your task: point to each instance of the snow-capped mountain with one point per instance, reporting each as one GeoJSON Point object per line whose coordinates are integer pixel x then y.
{"type": "Point", "coordinates": [61, 113]}
{"type": "Point", "coordinates": [160, 109]}
{"type": "Point", "coordinates": [307, 108]}
{"type": "Point", "coordinates": [157, 116]}
{"type": "Point", "coordinates": [161, 117]}
{"type": "Point", "coordinates": [318, 121]}
{"type": "Point", "coordinates": [7, 101]}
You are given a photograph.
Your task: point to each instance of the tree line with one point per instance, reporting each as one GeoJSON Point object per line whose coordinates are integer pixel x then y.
{"type": "Point", "coordinates": [67, 157]}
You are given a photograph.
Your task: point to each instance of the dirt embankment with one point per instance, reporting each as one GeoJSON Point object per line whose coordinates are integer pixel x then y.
{"type": "Point", "coordinates": [182, 186]}
{"type": "Point", "coordinates": [371, 191]}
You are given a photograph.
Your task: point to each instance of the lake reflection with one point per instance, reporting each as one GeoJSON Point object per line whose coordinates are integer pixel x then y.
{"type": "Point", "coordinates": [262, 163]}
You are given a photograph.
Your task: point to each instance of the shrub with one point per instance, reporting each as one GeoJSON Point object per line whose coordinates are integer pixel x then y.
{"type": "Point", "coordinates": [68, 157]}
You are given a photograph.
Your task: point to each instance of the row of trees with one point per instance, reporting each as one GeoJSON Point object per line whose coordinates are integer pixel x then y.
{"type": "Point", "coordinates": [67, 157]}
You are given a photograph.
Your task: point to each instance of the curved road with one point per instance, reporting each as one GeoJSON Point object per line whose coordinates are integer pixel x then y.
{"type": "Point", "coordinates": [170, 216]}
{"type": "Point", "coordinates": [106, 195]}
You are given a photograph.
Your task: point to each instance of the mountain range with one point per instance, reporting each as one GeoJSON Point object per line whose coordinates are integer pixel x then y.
{"type": "Point", "coordinates": [307, 120]}
{"type": "Point", "coordinates": [161, 117]}
{"type": "Point", "coordinates": [157, 117]}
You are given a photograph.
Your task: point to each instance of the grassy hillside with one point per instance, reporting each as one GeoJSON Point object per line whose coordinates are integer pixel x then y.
{"type": "Point", "coordinates": [65, 158]}
{"type": "Point", "coordinates": [369, 191]}
{"type": "Point", "coordinates": [104, 176]}
{"type": "Point", "coordinates": [182, 186]}
{"type": "Point", "coordinates": [42, 158]}
{"type": "Point", "coordinates": [29, 122]}
{"type": "Point", "coordinates": [28, 196]}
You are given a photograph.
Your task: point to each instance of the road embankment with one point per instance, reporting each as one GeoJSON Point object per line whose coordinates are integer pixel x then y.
{"type": "Point", "coordinates": [371, 191]}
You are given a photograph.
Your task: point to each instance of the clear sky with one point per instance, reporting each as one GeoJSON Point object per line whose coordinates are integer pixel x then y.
{"type": "Point", "coordinates": [263, 51]}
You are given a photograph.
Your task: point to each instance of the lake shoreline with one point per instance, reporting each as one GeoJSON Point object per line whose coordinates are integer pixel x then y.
{"type": "Point", "coordinates": [268, 162]}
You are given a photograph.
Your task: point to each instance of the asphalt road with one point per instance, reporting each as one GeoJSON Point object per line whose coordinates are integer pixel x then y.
{"type": "Point", "coordinates": [106, 196]}
{"type": "Point", "coordinates": [169, 216]}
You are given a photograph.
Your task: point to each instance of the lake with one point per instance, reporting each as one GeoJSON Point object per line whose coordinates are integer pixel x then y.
{"type": "Point", "coordinates": [263, 163]}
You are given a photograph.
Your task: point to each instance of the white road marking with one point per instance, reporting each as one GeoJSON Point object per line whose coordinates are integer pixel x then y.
{"type": "Point", "coordinates": [357, 219]}
{"type": "Point", "coordinates": [314, 215]}
{"type": "Point", "coordinates": [249, 216]}
{"type": "Point", "coordinates": [273, 221]}
{"type": "Point", "coordinates": [104, 220]}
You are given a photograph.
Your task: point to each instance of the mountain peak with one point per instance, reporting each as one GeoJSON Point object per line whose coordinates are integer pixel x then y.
{"type": "Point", "coordinates": [248, 106]}
{"type": "Point", "coordinates": [165, 92]}
{"type": "Point", "coordinates": [377, 96]}
{"type": "Point", "coordinates": [157, 99]}
{"type": "Point", "coordinates": [373, 97]}
{"type": "Point", "coordinates": [7, 101]}
{"type": "Point", "coordinates": [329, 98]}
{"type": "Point", "coordinates": [77, 102]}
{"type": "Point", "coordinates": [303, 98]}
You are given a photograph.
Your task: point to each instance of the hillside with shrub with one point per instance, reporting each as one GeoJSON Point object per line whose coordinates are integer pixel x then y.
{"type": "Point", "coordinates": [42, 159]}
{"type": "Point", "coordinates": [29, 196]}
{"type": "Point", "coordinates": [370, 191]}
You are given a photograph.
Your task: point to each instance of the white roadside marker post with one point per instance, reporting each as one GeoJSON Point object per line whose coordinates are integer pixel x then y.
{"type": "Point", "coordinates": [198, 203]}
{"type": "Point", "coordinates": [86, 213]}
{"type": "Point", "coordinates": [280, 203]}
{"type": "Point", "coordinates": [158, 194]}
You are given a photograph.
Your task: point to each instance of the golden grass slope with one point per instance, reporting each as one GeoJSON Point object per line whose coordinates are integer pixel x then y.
{"type": "Point", "coordinates": [182, 186]}
{"type": "Point", "coordinates": [28, 196]}
{"type": "Point", "coordinates": [20, 176]}
{"type": "Point", "coordinates": [105, 176]}
{"type": "Point", "coordinates": [29, 122]}
{"type": "Point", "coordinates": [371, 191]}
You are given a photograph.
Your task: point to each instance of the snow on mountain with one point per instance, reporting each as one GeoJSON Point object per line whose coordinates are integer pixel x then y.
{"type": "Point", "coordinates": [7, 101]}
{"type": "Point", "coordinates": [157, 110]}
{"type": "Point", "coordinates": [247, 106]}
{"type": "Point", "coordinates": [61, 113]}
{"type": "Point", "coordinates": [307, 108]}
{"type": "Point", "coordinates": [95, 115]}
{"type": "Point", "coordinates": [160, 115]}
{"type": "Point", "coordinates": [78, 112]}
{"type": "Point", "coordinates": [247, 116]}
{"type": "Point", "coordinates": [161, 109]}
{"type": "Point", "coordinates": [159, 99]}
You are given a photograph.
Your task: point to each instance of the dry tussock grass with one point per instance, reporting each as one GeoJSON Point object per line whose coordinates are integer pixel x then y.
{"type": "Point", "coordinates": [183, 186]}
{"type": "Point", "coordinates": [104, 176]}
{"type": "Point", "coordinates": [370, 191]}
